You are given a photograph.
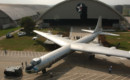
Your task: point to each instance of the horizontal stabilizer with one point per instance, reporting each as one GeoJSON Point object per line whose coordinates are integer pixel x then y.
{"type": "Point", "coordinates": [106, 33]}
{"type": "Point", "coordinates": [101, 33]}
{"type": "Point", "coordinates": [90, 31]}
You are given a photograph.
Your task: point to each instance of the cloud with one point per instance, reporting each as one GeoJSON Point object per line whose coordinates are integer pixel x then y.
{"type": "Point", "coordinates": [53, 2]}
{"type": "Point", "coordinates": [47, 2]}
{"type": "Point", "coordinates": [116, 2]}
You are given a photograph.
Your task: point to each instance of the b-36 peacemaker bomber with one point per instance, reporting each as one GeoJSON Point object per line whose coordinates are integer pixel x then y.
{"type": "Point", "coordinates": [68, 46]}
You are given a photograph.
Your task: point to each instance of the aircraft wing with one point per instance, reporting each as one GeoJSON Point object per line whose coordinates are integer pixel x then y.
{"type": "Point", "coordinates": [97, 49]}
{"type": "Point", "coordinates": [55, 38]}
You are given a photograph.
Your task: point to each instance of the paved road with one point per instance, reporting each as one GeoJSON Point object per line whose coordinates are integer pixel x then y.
{"type": "Point", "coordinates": [21, 53]}
{"type": "Point", "coordinates": [74, 67]}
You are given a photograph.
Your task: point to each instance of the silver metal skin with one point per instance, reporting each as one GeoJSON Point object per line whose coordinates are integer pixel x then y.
{"type": "Point", "coordinates": [52, 57]}
{"type": "Point", "coordinates": [68, 46]}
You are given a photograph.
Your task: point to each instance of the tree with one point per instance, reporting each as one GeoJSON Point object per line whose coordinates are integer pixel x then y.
{"type": "Point", "coordinates": [28, 24]}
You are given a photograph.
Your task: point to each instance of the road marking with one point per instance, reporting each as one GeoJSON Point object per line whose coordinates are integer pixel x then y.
{"type": "Point", "coordinates": [31, 54]}
{"type": "Point", "coordinates": [107, 77]}
{"type": "Point", "coordinates": [81, 75]}
{"type": "Point", "coordinates": [69, 76]}
{"type": "Point", "coordinates": [123, 58]}
{"type": "Point", "coordinates": [21, 53]}
{"type": "Point", "coordinates": [99, 76]}
{"type": "Point", "coordinates": [117, 77]}
{"type": "Point", "coordinates": [125, 77]}
{"type": "Point", "coordinates": [39, 54]}
{"type": "Point", "coordinates": [32, 77]}
{"type": "Point", "coordinates": [88, 77]}
{"type": "Point", "coordinates": [25, 54]}
{"type": "Point", "coordinates": [42, 54]}
{"type": "Point", "coordinates": [18, 53]}
{"type": "Point", "coordinates": [76, 77]}
{"type": "Point", "coordinates": [28, 54]}
{"type": "Point", "coordinates": [35, 54]}
{"type": "Point", "coordinates": [8, 53]}
{"type": "Point", "coordinates": [1, 53]}
{"type": "Point", "coordinates": [14, 53]}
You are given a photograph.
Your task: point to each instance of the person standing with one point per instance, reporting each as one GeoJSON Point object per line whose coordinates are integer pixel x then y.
{"type": "Point", "coordinates": [5, 51]}
{"type": "Point", "coordinates": [51, 75]}
{"type": "Point", "coordinates": [110, 69]}
{"type": "Point", "coordinates": [22, 65]}
{"type": "Point", "coordinates": [26, 63]}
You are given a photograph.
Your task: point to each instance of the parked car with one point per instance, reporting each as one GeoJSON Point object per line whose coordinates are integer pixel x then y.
{"type": "Point", "coordinates": [21, 29]}
{"type": "Point", "coordinates": [9, 35]}
{"type": "Point", "coordinates": [13, 71]}
{"type": "Point", "coordinates": [21, 34]}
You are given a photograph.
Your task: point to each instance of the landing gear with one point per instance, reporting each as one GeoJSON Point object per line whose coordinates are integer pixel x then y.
{"type": "Point", "coordinates": [44, 71]}
{"type": "Point", "coordinates": [91, 57]}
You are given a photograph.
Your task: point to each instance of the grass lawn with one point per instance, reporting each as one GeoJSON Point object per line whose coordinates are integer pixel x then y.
{"type": "Point", "coordinates": [63, 30]}
{"type": "Point", "coordinates": [24, 43]}
{"type": "Point", "coordinates": [5, 31]}
{"type": "Point", "coordinates": [123, 39]}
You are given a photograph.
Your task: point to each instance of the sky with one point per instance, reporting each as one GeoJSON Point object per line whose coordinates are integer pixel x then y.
{"type": "Point", "coordinates": [53, 2]}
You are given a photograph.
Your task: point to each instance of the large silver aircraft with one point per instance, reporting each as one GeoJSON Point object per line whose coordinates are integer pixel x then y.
{"type": "Point", "coordinates": [68, 46]}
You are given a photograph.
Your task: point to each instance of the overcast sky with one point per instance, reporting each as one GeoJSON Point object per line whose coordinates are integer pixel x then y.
{"type": "Point", "coordinates": [53, 2]}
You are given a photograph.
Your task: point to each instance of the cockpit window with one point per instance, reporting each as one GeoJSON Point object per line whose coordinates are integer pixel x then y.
{"type": "Point", "coordinates": [35, 61]}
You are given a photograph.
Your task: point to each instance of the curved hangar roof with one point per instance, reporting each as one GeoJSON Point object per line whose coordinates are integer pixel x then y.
{"type": "Point", "coordinates": [16, 12]}
{"type": "Point", "coordinates": [67, 10]}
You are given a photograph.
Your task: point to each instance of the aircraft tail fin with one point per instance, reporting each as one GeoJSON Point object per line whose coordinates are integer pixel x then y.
{"type": "Point", "coordinates": [99, 25]}
{"type": "Point", "coordinates": [99, 29]}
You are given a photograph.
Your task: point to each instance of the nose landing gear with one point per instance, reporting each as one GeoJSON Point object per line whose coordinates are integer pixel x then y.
{"type": "Point", "coordinates": [91, 57]}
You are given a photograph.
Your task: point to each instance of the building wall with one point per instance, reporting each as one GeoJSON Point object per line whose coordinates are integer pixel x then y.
{"type": "Point", "coordinates": [4, 20]}
{"type": "Point", "coordinates": [11, 14]}
{"type": "Point", "coordinates": [123, 9]}
{"type": "Point", "coordinates": [67, 10]}
{"type": "Point", "coordinates": [119, 8]}
{"type": "Point", "coordinates": [126, 10]}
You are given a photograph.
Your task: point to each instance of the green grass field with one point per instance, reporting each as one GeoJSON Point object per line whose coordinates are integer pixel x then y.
{"type": "Point", "coordinates": [5, 31]}
{"type": "Point", "coordinates": [123, 39]}
{"type": "Point", "coordinates": [25, 43]}
{"type": "Point", "coordinates": [64, 31]}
